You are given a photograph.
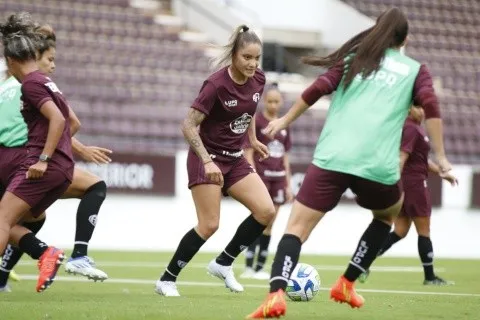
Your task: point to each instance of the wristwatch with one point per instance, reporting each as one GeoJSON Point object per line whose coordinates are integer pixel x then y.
{"type": "Point", "coordinates": [44, 158]}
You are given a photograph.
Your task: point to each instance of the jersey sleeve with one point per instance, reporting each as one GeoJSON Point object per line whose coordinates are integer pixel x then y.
{"type": "Point", "coordinates": [409, 138]}
{"type": "Point", "coordinates": [35, 94]}
{"type": "Point", "coordinates": [206, 98]}
{"type": "Point", "coordinates": [424, 94]}
{"type": "Point", "coordinates": [325, 84]}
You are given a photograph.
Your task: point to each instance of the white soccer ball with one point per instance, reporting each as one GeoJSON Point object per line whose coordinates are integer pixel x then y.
{"type": "Point", "coordinates": [304, 283]}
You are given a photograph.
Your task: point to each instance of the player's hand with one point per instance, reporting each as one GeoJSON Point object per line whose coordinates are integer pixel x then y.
{"type": "Point", "coordinates": [96, 155]}
{"type": "Point", "coordinates": [261, 149]}
{"type": "Point", "coordinates": [37, 170]}
{"type": "Point", "coordinates": [213, 173]}
{"type": "Point", "coordinates": [449, 177]}
{"type": "Point", "coordinates": [274, 127]}
{"type": "Point", "coordinates": [444, 164]}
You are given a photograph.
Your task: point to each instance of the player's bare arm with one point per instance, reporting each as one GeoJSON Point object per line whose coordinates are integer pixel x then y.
{"type": "Point", "coordinates": [189, 128]}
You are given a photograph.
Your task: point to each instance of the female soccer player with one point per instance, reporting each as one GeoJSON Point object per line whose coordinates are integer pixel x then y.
{"type": "Point", "coordinates": [43, 170]}
{"type": "Point", "coordinates": [417, 207]}
{"type": "Point", "coordinates": [224, 110]}
{"type": "Point", "coordinates": [274, 172]}
{"type": "Point", "coordinates": [86, 186]}
{"type": "Point", "coordinates": [358, 148]}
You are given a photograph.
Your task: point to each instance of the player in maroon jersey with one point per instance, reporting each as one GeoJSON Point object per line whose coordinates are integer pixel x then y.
{"type": "Point", "coordinates": [47, 166]}
{"type": "Point", "coordinates": [417, 207]}
{"type": "Point", "coordinates": [224, 112]}
{"type": "Point", "coordinates": [275, 173]}
{"type": "Point", "coordinates": [86, 186]}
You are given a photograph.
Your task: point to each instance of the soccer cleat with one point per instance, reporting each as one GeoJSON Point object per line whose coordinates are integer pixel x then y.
{"type": "Point", "coordinates": [437, 281]}
{"type": "Point", "coordinates": [5, 289]}
{"type": "Point", "coordinates": [48, 265]}
{"type": "Point", "coordinates": [343, 291]}
{"type": "Point", "coordinates": [248, 273]}
{"type": "Point", "coordinates": [14, 276]}
{"type": "Point", "coordinates": [364, 276]}
{"type": "Point", "coordinates": [166, 288]}
{"type": "Point", "coordinates": [274, 306]}
{"type": "Point", "coordinates": [85, 266]}
{"type": "Point", "coordinates": [261, 275]}
{"type": "Point", "coordinates": [224, 273]}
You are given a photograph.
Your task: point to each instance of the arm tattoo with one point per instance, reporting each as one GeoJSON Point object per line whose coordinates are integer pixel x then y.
{"type": "Point", "coordinates": [189, 129]}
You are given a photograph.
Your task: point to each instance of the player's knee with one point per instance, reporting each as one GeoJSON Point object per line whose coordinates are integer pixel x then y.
{"type": "Point", "coordinates": [207, 229]}
{"type": "Point", "coordinates": [266, 215]}
{"type": "Point", "coordinates": [99, 189]}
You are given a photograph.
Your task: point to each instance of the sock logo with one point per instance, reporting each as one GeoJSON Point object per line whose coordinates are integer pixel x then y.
{"type": "Point", "coordinates": [242, 247]}
{"type": "Point", "coordinates": [430, 255]}
{"type": "Point", "coordinates": [93, 219]}
{"type": "Point", "coordinates": [181, 264]}
{"type": "Point", "coordinates": [43, 245]}
{"type": "Point", "coordinates": [287, 267]}
{"type": "Point", "coordinates": [361, 251]}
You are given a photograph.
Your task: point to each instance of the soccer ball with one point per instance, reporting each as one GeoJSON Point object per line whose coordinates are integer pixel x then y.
{"type": "Point", "coordinates": [304, 283]}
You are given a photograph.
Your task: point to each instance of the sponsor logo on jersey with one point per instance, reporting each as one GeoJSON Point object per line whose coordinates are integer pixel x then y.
{"type": "Point", "coordinates": [240, 125]}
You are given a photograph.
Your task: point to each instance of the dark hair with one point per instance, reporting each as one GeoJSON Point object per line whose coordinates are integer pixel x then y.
{"type": "Point", "coordinates": [240, 37]}
{"type": "Point", "coordinates": [368, 47]}
{"type": "Point", "coordinates": [46, 38]}
{"type": "Point", "coordinates": [18, 37]}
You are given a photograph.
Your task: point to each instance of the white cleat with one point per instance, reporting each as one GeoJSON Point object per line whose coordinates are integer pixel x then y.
{"type": "Point", "coordinates": [248, 273]}
{"type": "Point", "coordinates": [5, 289]}
{"type": "Point", "coordinates": [85, 266]}
{"type": "Point", "coordinates": [166, 288]}
{"type": "Point", "coordinates": [261, 275]}
{"type": "Point", "coordinates": [224, 273]}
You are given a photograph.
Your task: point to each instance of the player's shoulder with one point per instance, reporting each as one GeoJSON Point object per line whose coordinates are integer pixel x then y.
{"type": "Point", "coordinates": [412, 127]}
{"type": "Point", "coordinates": [218, 78]}
{"type": "Point", "coordinates": [36, 77]}
{"type": "Point", "coordinates": [259, 76]}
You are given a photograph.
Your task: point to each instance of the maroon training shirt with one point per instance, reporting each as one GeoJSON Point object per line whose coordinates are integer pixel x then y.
{"type": "Point", "coordinates": [36, 90]}
{"type": "Point", "coordinates": [229, 108]}
{"type": "Point", "coordinates": [273, 167]}
{"type": "Point", "coordinates": [415, 142]}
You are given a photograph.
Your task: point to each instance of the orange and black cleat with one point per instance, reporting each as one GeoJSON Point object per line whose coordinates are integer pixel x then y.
{"type": "Point", "coordinates": [274, 306]}
{"type": "Point", "coordinates": [343, 291]}
{"type": "Point", "coordinates": [48, 265]}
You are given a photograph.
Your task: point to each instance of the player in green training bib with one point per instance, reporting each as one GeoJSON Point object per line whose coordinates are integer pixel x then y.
{"type": "Point", "coordinates": [374, 85]}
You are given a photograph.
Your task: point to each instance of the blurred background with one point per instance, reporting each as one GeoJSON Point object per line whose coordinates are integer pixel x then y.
{"type": "Point", "coordinates": [131, 69]}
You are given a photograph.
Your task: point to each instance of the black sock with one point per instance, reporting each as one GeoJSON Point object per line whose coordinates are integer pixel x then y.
{"type": "Point", "coordinates": [367, 250]}
{"type": "Point", "coordinates": [391, 240]}
{"type": "Point", "coordinates": [285, 261]}
{"type": "Point", "coordinates": [87, 217]}
{"type": "Point", "coordinates": [32, 246]}
{"type": "Point", "coordinates": [187, 248]}
{"type": "Point", "coordinates": [13, 254]}
{"type": "Point", "coordinates": [248, 231]}
{"type": "Point", "coordinates": [264, 241]}
{"type": "Point", "coordinates": [425, 250]}
{"type": "Point", "coordinates": [250, 254]}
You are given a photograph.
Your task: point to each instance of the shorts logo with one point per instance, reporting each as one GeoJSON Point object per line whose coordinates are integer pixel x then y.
{"type": "Point", "coordinates": [93, 219]}
{"type": "Point", "coordinates": [256, 97]}
{"type": "Point", "coordinates": [240, 125]}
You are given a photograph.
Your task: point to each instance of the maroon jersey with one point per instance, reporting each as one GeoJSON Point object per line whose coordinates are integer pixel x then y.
{"type": "Point", "coordinates": [415, 142]}
{"type": "Point", "coordinates": [273, 167]}
{"type": "Point", "coordinates": [229, 108]}
{"type": "Point", "coordinates": [36, 90]}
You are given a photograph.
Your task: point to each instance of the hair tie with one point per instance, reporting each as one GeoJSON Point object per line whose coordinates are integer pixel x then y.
{"type": "Point", "coordinates": [244, 29]}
